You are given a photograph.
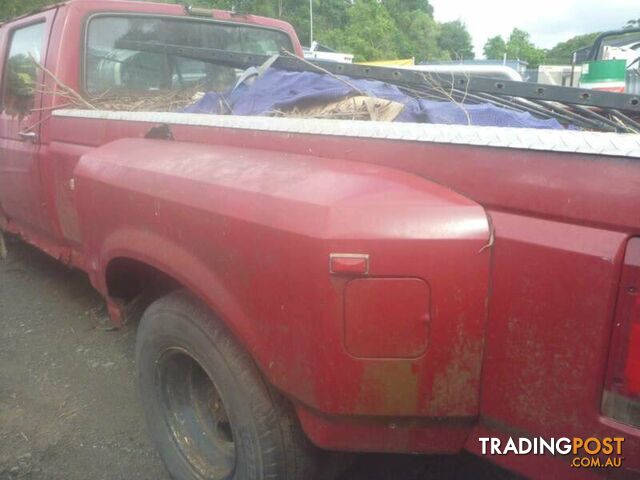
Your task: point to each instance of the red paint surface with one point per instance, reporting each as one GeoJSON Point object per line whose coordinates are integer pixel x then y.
{"type": "Point", "coordinates": [519, 331]}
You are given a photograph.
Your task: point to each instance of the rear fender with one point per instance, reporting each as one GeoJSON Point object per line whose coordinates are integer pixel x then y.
{"type": "Point", "coordinates": [251, 232]}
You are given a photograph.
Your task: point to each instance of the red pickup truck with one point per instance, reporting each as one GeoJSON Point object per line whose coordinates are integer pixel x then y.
{"type": "Point", "coordinates": [347, 285]}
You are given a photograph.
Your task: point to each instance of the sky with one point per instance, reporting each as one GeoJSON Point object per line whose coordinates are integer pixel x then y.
{"type": "Point", "coordinates": [548, 21]}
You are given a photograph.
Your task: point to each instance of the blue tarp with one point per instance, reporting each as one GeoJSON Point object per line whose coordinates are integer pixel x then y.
{"type": "Point", "coordinates": [279, 90]}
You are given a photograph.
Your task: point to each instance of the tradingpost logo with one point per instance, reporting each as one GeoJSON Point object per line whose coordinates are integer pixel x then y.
{"type": "Point", "coordinates": [591, 452]}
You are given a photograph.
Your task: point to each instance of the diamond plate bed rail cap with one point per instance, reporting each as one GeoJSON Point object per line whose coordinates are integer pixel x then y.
{"type": "Point", "coordinates": [569, 141]}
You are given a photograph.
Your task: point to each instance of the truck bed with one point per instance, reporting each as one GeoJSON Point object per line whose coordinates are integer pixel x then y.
{"type": "Point", "coordinates": [561, 206]}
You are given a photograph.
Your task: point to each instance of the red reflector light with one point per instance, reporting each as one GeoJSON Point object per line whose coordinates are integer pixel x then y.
{"type": "Point", "coordinates": [632, 368]}
{"type": "Point", "coordinates": [349, 263]}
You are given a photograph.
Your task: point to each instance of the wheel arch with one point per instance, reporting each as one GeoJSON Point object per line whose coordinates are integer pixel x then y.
{"type": "Point", "coordinates": [132, 259]}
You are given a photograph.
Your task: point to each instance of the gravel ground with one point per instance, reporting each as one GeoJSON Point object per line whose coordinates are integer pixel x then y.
{"type": "Point", "coordinates": [68, 404]}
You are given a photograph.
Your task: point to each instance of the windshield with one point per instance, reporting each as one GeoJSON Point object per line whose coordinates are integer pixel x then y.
{"type": "Point", "coordinates": [111, 67]}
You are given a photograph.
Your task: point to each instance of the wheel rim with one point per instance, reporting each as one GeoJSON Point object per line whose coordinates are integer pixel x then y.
{"type": "Point", "coordinates": [196, 416]}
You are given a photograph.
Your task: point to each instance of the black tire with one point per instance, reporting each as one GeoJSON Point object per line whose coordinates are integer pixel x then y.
{"type": "Point", "coordinates": [209, 410]}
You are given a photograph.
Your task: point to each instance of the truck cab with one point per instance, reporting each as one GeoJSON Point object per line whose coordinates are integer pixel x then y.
{"type": "Point", "coordinates": [85, 43]}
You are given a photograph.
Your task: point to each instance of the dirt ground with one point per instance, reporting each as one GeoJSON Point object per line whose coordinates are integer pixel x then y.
{"type": "Point", "coordinates": [68, 406]}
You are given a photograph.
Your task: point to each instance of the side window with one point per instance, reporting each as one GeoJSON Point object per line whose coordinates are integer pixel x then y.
{"type": "Point", "coordinates": [21, 74]}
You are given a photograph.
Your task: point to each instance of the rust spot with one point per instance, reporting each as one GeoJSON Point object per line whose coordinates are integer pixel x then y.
{"type": "Point", "coordinates": [455, 387]}
{"type": "Point", "coordinates": [389, 387]}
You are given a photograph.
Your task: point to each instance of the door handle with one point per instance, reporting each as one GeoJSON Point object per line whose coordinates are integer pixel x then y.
{"type": "Point", "coordinates": [28, 136]}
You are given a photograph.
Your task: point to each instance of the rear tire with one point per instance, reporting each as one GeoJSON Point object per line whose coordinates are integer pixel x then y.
{"type": "Point", "coordinates": [209, 410]}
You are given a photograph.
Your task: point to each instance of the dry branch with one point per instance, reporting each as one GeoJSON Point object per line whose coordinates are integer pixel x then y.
{"type": "Point", "coordinates": [66, 89]}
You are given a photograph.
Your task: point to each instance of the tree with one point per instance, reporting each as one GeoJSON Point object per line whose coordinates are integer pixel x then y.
{"type": "Point", "coordinates": [495, 48]}
{"type": "Point", "coordinates": [386, 30]}
{"type": "Point", "coordinates": [455, 40]}
{"type": "Point", "coordinates": [417, 36]}
{"type": "Point", "coordinates": [562, 53]}
{"type": "Point", "coordinates": [13, 8]}
{"type": "Point", "coordinates": [416, 30]}
{"type": "Point", "coordinates": [519, 47]}
{"type": "Point", "coordinates": [404, 6]}
{"type": "Point", "coordinates": [329, 14]}
{"type": "Point", "coordinates": [633, 23]}
{"type": "Point", "coordinates": [370, 33]}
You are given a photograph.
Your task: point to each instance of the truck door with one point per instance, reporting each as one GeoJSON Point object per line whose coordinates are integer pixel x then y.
{"type": "Point", "coordinates": [22, 196]}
